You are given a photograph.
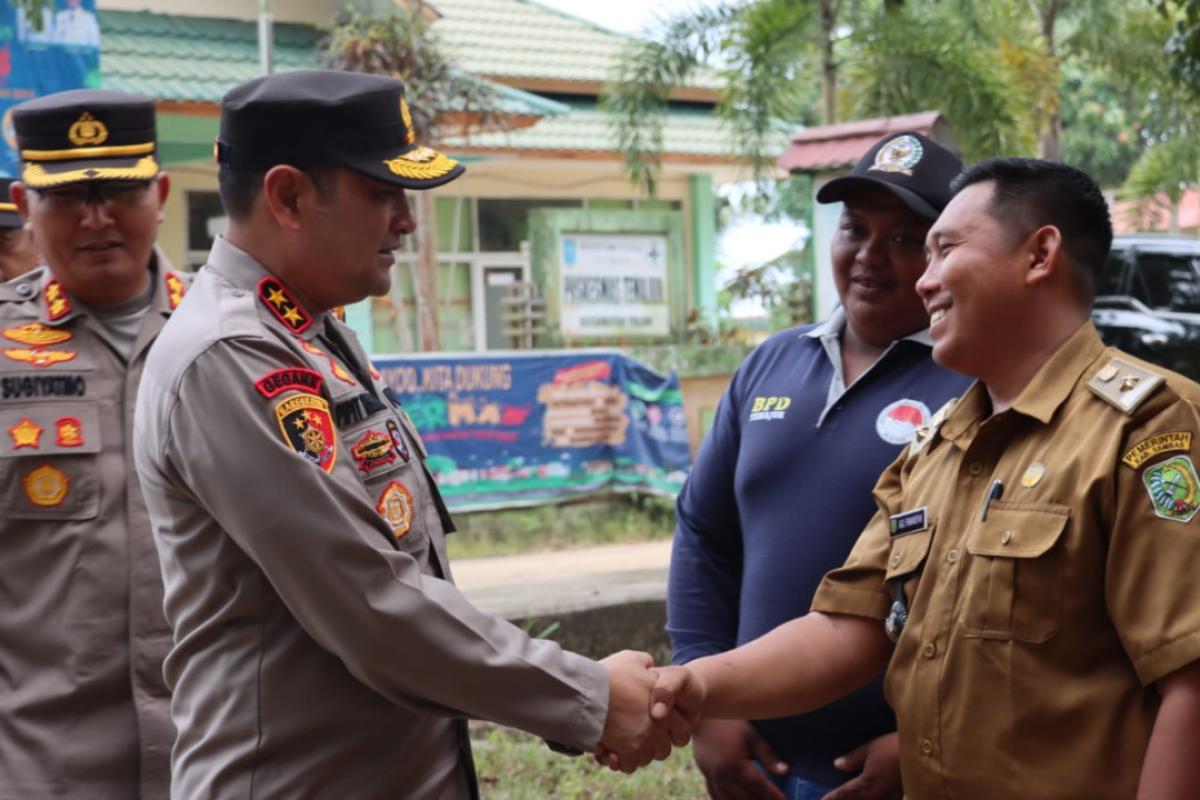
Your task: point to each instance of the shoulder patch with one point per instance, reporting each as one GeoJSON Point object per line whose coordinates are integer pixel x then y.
{"type": "Point", "coordinates": [1173, 488]}
{"type": "Point", "coordinates": [276, 297]}
{"type": "Point", "coordinates": [307, 428]}
{"type": "Point", "coordinates": [282, 380]}
{"type": "Point", "coordinates": [1124, 385]}
{"type": "Point", "coordinates": [1168, 442]}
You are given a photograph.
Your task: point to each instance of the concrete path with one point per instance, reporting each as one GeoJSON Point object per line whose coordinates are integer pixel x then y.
{"type": "Point", "coordinates": [557, 582]}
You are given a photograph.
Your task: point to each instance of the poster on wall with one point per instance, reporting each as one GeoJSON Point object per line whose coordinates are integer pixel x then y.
{"type": "Point", "coordinates": [55, 49]}
{"type": "Point", "coordinates": [613, 285]}
{"type": "Point", "coordinates": [526, 429]}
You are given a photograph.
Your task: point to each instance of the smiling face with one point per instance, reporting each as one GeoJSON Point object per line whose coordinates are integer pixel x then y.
{"type": "Point", "coordinates": [878, 254]}
{"type": "Point", "coordinates": [975, 288]}
{"type": "Point", "coordinates": [99, 249]}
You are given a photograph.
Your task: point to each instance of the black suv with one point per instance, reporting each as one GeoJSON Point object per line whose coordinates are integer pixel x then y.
{"type": "Point", "coordinates": [1148, 300]}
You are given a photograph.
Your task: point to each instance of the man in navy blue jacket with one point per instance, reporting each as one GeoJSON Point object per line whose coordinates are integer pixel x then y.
{"type": "Point", "coordinates": [781, 487]}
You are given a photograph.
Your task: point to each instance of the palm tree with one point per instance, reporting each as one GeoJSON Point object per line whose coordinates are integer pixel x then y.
{"type": "Point", "coordinates": [442, 100]}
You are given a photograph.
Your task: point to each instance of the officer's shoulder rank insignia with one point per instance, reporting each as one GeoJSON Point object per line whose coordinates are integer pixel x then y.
{"type": "Point", "coordinates": [1173, 488]}
{"type": "Point", "coordinates": [1124, 385]}
{"type": "Point", "coordinates": [58, 305]}
{"type": "Point", "coordinates": [1168, 442]}
{"type": "Point", "coordinates": [46, 486]}
{"type": "Point", "coordinates": [924, 434]}
{"type": "Point", "coordinates": [281, 303]}
{"type": "Point", "coordinates": [396, 507]}
{"type": "Point", "coordinates": [175, 290]}
{"type": "Point", "coordinates": [36, 334]}
{"type": "Point", "coordinates": [307, 428]}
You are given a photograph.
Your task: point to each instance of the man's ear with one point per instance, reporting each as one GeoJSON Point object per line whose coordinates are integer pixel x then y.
{"type": "Point", "coordinates": [284, 189]}
{"type": "Point", "coordinates": [164, 190]}
{"type": "Point", "coordinates": [1046, 255]}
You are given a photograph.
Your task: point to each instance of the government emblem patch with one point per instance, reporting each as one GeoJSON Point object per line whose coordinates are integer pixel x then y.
{"type": "Point", "coordinates": [1173, 486]}
{"type": "Point", "coordinates": [899, 155]}
{"type": "Point", "coordinates": [396, 506]}
{"type": "Point", "coordinates": [308, 428]}
{"type": "Point", "coordinates": [46, 486]}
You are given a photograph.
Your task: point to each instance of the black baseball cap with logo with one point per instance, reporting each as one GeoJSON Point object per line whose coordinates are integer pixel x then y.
{"type": "Point", "coordinates": [85, 135]}
{"type": "Point", "coordinates": [327, 118]}
{"type": "Point", "coordinates": [910, 165]}
{"type": "Point", "coordinates": [9, 218]}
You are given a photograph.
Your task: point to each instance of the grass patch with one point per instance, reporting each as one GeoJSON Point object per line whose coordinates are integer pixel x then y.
{"type": "Point", "coordinates": [623, 518]}
{"type": "Point", "coordinates": [513, 765]}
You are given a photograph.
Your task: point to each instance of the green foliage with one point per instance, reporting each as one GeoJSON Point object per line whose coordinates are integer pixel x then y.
{"type": "Point", "coordinates": [517, 766]}
{"type": "Point", "coordinates": [1183, 46]}
{"type": "Point", "coordinates": [33, 11]}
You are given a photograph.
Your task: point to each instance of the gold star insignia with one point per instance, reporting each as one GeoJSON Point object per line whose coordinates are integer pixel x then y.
{"type": "Point", "coordinates": [293, 316]}
{"type": "Point", "coordinates": [26, 434]}
{"type": "Point", "coordinates": [300, 424]}
{"type": "Point", "coordinates": [277, 297]}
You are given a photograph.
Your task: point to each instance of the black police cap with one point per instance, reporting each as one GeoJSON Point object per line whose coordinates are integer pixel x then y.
{"type": "Point", "coordinates": [85, 135]}
{"type": "Point", "coordinates": [325, 118]}
{"type": "Point", "coordinates": [910, 165]}
{"type": "Point", "coordinates": [9, 218]}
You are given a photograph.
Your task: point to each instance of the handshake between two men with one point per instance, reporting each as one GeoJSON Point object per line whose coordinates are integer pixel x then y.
{"type": "Point", "coordinates": [650, 711]}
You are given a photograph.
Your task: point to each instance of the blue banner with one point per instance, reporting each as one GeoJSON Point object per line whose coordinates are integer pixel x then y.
{"type": "Point", "coordinates": [63, 54]}
{"type": "Point", "coordinates": [523, 429]}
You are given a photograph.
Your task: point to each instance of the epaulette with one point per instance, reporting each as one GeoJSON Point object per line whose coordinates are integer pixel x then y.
{"type": "Point", "coordinates": [925, 433]}
{"type": "Point", "coordinates": [1125, 385]}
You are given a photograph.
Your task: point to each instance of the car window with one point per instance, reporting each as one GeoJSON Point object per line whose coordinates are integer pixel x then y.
{"type": "Point", "coordinates": [1110, 278]}
{"type": "Point", "coordinates": [1168, 282]}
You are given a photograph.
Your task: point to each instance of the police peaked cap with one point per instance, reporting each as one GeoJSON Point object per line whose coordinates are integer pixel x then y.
{"type": "Point", "coordinates": [326, 118]}
{"type": "Point", "coordinates": [85, 135]}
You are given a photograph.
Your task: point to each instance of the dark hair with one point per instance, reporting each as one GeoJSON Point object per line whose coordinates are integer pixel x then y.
{"type": "Point", "coordinates": [240, 189]}
{"type": "Point", "coordinates": [1028, 193]}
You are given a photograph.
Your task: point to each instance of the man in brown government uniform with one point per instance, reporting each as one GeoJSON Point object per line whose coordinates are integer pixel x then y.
{"type": "Point", "coordinates": [1034, 554]}
{"type": "Point", "coordinates": [322, 650]}
{"type": "Point", "coordinates": [18, 254]}
{"type": "Point", "coordinates": [84, 709]}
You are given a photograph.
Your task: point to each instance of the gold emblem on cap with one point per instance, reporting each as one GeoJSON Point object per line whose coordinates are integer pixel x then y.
{"type": "Point", "coordinates": [1107, 374]}
{"type": "Point", "coordinates": [87, 130]}
{"type": "Point", "coordinates": [1128, 382]}
{"type": "Point", "coordinates": [1033, 475]}
{"type": "Point", "coordinates": [421, 164]}
{"type": "Point", "coordinates": [899, 155]}
{"type": "Point", "coordinates": [410, 135]}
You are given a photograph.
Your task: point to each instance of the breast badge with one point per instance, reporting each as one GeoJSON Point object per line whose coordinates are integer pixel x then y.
{"type": "Point", "coordinates": [396, 506]}
{"type": "Point", "coordinates": [374, 449]}
{"type": "Point", "coordinates": [1033, 475]}
{"type": "Point", "coordinates": [35, 334]}
{"type": "Point", "coordinates": [1172, 485]}
{"type": "Point", "coordinates": [69, 432]}
{"type": "Point", "coordinates": [26, 434]}
{"type": "Point", "coordinates": [308, 429]}
{"type": "Point", "coordinates": [36, 357]}
{"type": "Point", "coordinates": [46, 486]}
{"type": "Point", "coordinates": [398, 440]}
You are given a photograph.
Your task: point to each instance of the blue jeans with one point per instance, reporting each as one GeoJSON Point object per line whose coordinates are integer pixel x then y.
{"type": "Point", "coordinates": [797, 788]}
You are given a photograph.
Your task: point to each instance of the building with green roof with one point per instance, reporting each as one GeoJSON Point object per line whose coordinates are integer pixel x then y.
{"type": "Point", "coordinates": [556, 169]}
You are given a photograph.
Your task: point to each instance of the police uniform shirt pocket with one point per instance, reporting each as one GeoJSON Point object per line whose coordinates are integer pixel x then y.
{"type": "Point", "coordinates": [1014, 576]}
{"type": "Point", "coordinates": [385, 461]}
{"type": "Point", "coordinates": [48, 454]}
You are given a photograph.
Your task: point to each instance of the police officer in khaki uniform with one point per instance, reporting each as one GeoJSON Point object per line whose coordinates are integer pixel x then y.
{"type": "Point", "coordinates": [84, 710]}
{"type": "Point", "coordinates": [322, 650]}
{"type": "Point", "coordinates": [1035, 550]}
{"type": "Point", "coordinates": [18, 254]}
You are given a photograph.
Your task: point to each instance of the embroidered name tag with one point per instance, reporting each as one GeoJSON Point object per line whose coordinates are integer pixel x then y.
{"type": "Point", "coordinates": [907, 522]}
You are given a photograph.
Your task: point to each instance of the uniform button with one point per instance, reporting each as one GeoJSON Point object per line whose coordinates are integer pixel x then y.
{"type": "Point", "coordinates": [975, 468]}
{"type": "Point", "coordinates": [895, 562]}
{"type": "Point", "coordinates": [929, 650]}
{"type": "Point", "coordinates": [952, 556]}
{"type": "Point", "coordinates": [1006, 537]}
{"type": "Point", "coordinates": [927, 747]}
{"type": "Point", "coordinates": [24, 289]}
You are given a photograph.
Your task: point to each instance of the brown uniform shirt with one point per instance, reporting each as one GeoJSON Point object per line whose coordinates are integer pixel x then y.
{"type": "Point", "coordinates": [1034, 637]}
{"type": "Point", "coordinates": [322, 650]}
{"type": "Point", "coordinates": [84, 710]}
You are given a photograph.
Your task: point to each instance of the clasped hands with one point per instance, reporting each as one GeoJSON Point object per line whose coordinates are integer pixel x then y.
{"type": "Point", "coordinates": [650, 710]}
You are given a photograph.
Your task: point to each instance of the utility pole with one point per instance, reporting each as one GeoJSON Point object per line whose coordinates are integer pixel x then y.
{"type": "Point", "coordinates": [266, 37]}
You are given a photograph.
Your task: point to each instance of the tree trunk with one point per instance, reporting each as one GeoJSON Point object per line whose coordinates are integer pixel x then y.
{"type": "Point", "coordinates": [1050, 140]}
{"type": "Point", "coordinates": [427, 270]}
{"type": "Point", "coordinates": [829, 66]}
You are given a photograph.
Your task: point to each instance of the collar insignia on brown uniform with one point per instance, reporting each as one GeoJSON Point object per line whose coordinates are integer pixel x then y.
{"type": "Point", "coordinates": [58, 305]}
{"type": "Point", "coordinates": [308, 429]}
{"type": "Point", "coordinates": [924, 434]}
{"type": "Point", "coordinates": [277, 298]}
{"type": "Point", "coordinates": [175, 290]}
{"type": "Point", "coordinates": [37, 335]}
{"type": "Point", "coordinates": [1174, 488]}
{"type": "Point", "coordinates": [26, 433]}
{"type": "Point", "coordinates": [87, 131]}
{"type": "Point", "coordinates": [398, 440]}
{"type": "Point", "coordinates": [39, 358]}
{"type": "Point", "coordinates": [289, 379]}
{"type": "Point", "coordinates": [374, 449]}
{"type": "Point", "coordinates": [69, 432]}
{"type": "Point", "coordinates": [1167, 442]}
{"type": "Point", "coordinates": [46, 486]}
{"type": "Point", "coordinates": [1127, 394]}
{"type": "Point", "coordinates": [396, 506]}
